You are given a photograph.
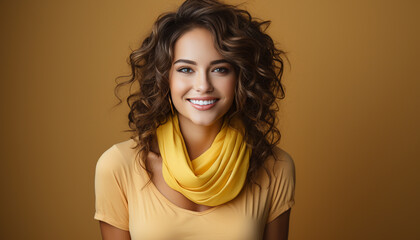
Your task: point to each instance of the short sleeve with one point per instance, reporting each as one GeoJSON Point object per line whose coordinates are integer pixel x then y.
{"type": "Point", "coordinates": [282, 186]}
{"type": "Point", "coordinates": [110, 189]}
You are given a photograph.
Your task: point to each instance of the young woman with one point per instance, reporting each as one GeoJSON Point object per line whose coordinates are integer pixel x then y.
{"type": "Point", "coordinates": [202, 162]}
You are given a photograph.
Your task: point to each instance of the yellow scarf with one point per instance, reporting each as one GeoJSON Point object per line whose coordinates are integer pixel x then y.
{"type": "Point", "coordinates": [216, 176]}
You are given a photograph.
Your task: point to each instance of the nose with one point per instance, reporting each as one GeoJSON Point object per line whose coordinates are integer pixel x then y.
{"type": "Point", "coordinates": [202, 83]}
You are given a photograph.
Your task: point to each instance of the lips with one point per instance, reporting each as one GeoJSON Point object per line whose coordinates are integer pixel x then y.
{"type": "Point", "coordinates": [203, 104]}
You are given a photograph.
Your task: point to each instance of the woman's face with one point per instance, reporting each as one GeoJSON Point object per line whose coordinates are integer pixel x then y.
{"type": "Point", "coordinates": [201, 81]}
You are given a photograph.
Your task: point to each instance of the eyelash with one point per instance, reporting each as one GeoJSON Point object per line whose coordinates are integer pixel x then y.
{"type": "Point", "coordinates": [217, 70]}
{"type": "Point", "coordinates": [221, 70]}
{"type": "Point", "coordinates": [182, 70]}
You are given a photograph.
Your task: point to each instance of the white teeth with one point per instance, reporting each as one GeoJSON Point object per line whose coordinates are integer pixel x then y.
{"type": "Point", "coordinates": [201, 102]}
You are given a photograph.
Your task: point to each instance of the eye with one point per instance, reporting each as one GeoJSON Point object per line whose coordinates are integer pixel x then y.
{"type": "Point", "coordinates": [184, 70]}
{"type": "Point", "coordinates": [221, 70]}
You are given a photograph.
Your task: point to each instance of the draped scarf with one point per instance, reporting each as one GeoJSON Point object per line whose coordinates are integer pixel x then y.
{"type": "Point", "coordinates": [213, 178]}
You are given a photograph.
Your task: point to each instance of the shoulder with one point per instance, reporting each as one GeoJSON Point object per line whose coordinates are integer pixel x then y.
{"type": "Point", "coordinates": [281, 161]}
{"type": "Point", "coordinates": [278, 167]}
{"type": "Point", "coordinates": [118, 157]}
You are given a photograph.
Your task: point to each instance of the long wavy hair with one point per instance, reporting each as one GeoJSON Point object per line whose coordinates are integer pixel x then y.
{"type": "Point", "coordinates": [240, 39]}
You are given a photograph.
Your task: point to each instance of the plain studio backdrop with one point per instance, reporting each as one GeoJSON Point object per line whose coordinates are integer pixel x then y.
{"type": "Point", "coordinates": [350, 118]}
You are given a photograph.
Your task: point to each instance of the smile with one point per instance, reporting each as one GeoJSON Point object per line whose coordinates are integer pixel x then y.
{"type": "Point", "coordinates": [202, 102]}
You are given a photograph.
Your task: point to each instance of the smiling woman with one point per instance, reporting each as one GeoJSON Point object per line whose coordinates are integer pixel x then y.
{"type": "Point", "coordinates": [203, 151]}
{"type": "Point", "coordinates": [202, 83]}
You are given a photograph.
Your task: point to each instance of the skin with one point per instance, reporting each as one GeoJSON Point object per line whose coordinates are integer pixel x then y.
{"type": "Point", "coordinates": [198, 71]}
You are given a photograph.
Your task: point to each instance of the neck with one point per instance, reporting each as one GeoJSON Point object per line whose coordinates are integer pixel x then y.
{"type": "Point", "coordinates": [198, 138]}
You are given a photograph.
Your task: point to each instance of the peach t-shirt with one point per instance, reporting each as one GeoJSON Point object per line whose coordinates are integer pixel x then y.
{"type": "Point", "coordinates": [124, 200]}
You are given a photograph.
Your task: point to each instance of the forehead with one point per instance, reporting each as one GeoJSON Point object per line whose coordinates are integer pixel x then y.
{"type": "Point", "coordinates": [197, 45]}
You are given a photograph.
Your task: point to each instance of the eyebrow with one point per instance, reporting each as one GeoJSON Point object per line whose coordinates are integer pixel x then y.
{"type": "Point", "coordinates": [194, 63]}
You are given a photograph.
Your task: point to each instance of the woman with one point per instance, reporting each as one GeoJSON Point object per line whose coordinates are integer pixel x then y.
{"type": "Point", "coordinates": [202, 162]}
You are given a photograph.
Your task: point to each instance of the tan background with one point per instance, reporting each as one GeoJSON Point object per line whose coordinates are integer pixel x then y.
{"type": "Point", "coordinates": [350, 118]}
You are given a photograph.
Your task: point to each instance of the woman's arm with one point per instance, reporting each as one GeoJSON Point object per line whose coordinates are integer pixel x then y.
{"type": "Point", "coordinates": [110, 232]}
{"type": "Point", "coordinates": [278, 229]}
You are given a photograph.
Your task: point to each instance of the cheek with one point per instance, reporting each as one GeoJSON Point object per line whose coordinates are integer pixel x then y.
{"type": "Point", "coordinates": [228, 88]}
{"type": "Point", "coordinates": [178, 90]}
{"type": "Point", "coordinates": [177, 87]}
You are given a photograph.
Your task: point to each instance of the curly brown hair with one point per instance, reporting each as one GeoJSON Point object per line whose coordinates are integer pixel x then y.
{"type": "Point", "coordinates": [240, 39]}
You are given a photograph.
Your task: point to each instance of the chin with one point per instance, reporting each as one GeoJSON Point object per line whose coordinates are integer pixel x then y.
{"type": "Point", "coordinates": [204, 120]}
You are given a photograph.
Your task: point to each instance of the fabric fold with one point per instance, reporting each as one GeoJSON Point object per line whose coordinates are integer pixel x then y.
{"type": "Point", "coordinates": [216, 176]}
